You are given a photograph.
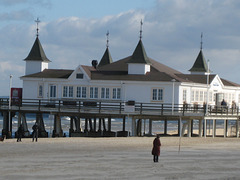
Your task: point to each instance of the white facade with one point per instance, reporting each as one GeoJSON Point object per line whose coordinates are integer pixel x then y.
{"type": "Point", "coordinates": [147, 87]}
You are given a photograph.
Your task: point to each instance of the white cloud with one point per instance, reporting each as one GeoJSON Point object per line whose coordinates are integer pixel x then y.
{"type": "Point", "coordinates": [171, 35]}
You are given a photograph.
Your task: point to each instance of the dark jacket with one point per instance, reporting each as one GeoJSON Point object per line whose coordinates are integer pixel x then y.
{"type": "Point", "coordinates": [156, 147]}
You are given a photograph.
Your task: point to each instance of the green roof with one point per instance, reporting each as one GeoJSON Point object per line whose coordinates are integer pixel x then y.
{"type": "Point", "coordinates": [106, 59]}
{"type": "Point", "coordinates": [37, 53]}
{"type": "Point", "coordinates": [139, 55]}
{"type": "Point", "coordinates": [200, 64]}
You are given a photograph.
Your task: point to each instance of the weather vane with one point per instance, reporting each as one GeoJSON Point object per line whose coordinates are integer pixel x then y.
{"type": "Point", "coordinates": [37, 21]}
{"type": "Point", "coordinates": [201, 43]}
{"type": "Point", "coordinates": [141, 24]}
{"type": "Point", "coordinates": [107, 39]}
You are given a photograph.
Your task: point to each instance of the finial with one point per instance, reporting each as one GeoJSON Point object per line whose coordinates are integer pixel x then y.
{"type": "Point", "coordinates": [107, 39]}
{"type": "Point", "coordinates": [201, 43]}
{"type": "Point", "coordinates": [141, 24]}
{"type": "Point", "coordinates": [37, 21]}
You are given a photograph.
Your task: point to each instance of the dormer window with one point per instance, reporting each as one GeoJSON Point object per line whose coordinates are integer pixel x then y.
{"type": "Point", "coordinates": [79, 76]}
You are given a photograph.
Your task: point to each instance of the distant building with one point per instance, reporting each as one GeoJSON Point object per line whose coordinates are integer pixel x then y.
{"type": "Point", "coordinates": [136, 77]}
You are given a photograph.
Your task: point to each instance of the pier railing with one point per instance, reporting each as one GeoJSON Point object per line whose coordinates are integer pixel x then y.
{"type": "Point", "coordinates": [114, 107]}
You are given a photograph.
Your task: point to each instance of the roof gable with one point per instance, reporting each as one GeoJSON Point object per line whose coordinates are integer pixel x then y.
{"type": "Point", "coordinates": [37, 53]}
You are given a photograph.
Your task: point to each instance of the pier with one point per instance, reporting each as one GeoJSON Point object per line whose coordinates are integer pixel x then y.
{"type": "Point", "coordinates": [98, 116]}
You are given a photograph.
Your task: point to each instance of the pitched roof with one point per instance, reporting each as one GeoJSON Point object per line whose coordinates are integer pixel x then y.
{"type": "Point", "coordinates": [37, 53]}
{"type": "Point", "coordinates": [119, 71]}
{"type": "Point", "coordinates": [202, 79]}
{"type": "Point", "coordinates": [139, 55]}
{"type": "Point", "coordinates": [200, 64]}
{"type": "Point", "coordinates": [106, 59]}
{"type": "Point", "coordinates": [52, 73]}
{"type": "Point", "coordinates": [195, 78]}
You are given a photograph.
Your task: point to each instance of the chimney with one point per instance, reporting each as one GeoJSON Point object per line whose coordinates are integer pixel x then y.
{"type": "Point", "coordinates": [94, 63]}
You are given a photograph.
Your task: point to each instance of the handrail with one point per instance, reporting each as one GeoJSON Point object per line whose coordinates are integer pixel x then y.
{"type": "Point", "coordinates": [100, 106]}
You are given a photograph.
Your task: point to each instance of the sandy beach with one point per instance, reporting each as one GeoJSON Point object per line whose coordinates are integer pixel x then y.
{"type": "Point", "coordinates": [120, 158]}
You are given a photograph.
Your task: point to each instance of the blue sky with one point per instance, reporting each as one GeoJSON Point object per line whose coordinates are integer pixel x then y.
{"type": "Point", "coordinates": [73, 32]}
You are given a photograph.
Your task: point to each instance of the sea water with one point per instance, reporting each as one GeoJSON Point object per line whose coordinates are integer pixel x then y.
{"type": "Point", "coordinates": [117, 124]}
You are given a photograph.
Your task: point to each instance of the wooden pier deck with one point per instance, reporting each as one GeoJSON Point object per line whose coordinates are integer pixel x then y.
{"type": "Point", "coordinates": [96, 112]}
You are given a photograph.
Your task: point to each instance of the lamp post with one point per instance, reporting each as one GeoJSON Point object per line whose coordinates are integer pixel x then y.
{"type": "Point", "coordinates": [208, 72]}
{"type": "Point", "coordinates": [173, 81]}
{"type": "Point", "coordinates": [9, 103]}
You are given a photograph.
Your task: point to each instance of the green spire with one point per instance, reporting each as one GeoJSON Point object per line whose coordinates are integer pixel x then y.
{"type": "Point", "coordinates": [200, 64]}
{"type": "Point", "coordinates": [106, 59]}
{"type": "Point", "coordinates": [139, 55]}
{"type": "Point", "coordinates": [37, 53]}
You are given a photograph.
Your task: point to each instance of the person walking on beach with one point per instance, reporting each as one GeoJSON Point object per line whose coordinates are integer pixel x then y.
{"type": "Point", "coordinates": [20, 133]}
{"type": "Point", "coordinates": [35, 132]}
{"type": "Point", "coordinates": [156, 148]}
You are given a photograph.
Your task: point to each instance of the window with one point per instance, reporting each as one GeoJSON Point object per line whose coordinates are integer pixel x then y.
{"type": "Point", "coordinates": [105, 93]}
{"type": "Point", "coordinates": [157, 94]}
{"type": "Point", "coordinates": [79, 76]}
{"type": "Point", "coordinates": [81, 92]}
{"type": "Point", "coordinates": [201, 96]}
{"type": "Point", "coordinates": [210, 97]}
{"type": "Point", "coordinates": [53, 91]}
{"type": "Point", "coordinates": [116, 93]}
{"type": "Point", "coordinates": [94, 92]}
{"type": "Point", "coordinates": [40, 91]}
{"type": "Point", "coordinates": [205, 96]}
{"type": "Point", "coordinates": [70, 93]}
{"type": "Point", "coordinates": [197, 96]}
{"type": "Point", "coordinates": [67, 91]}
{"type": "Point", "coordinates": [192, 95]}
{"type": "Point", "coordinates": [185, 95]}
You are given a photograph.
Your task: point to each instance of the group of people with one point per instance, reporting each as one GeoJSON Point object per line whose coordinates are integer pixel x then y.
{"type": "Point", "coordinates": [20, 132]}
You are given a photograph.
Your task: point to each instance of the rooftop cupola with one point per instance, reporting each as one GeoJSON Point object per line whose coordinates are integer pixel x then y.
{"type": "Point", "coordinates": [107, 58]}
{"type": "Point", "coordinates": [200, 65]}
{"type": "Point", "coordinates": [36, 61]}
{"type": "Point", "coordinates": [139, 62]}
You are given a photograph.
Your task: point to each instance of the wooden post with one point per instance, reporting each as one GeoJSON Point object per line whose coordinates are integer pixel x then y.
{"type": "Point", "coordinates": [192, 127]}
{"type": "Point", "coordinates": [71, 126]}
{"type": "Point", "coordinates": [180, 127]}
{"type": "Point", "coordinates": [57, 132]}
{"type": "Point", "coordinates": [25, 126]}
{"type": "Point", "coordinates": [86, 125]}
{"type": "Point", "coordinates": [99, 124]}
{"type": "Point", "coordinates": [237, 128]}
{"type": "Point", "coordinates": [104, 124]}
{"type": "Point", "coordinates": [189, 128]}
{"type": "Point", "coordinates": [133, 126]}
{"type": "Point", "coordinates": [139, 127]}
{"type": "Point", "coordinates": [213, 128]}
{"type": "Point", "coordinates": [150, 126]}
{"type": "Point", "coordinates": [109, 124]}
{"type": "Point", "coordinates": [95, 124]}
{"type": "Point", "coordinates": [200, 128]}
{"type": "Point", "coordinates": [124, 123]}
{"type": "Point", "coordinates": [90, 124]}
{"type": "Point", "coordinates": [225, 128]}
{"type": "Point", "coordinates": [41, 128]}
{"type": "Point", "coordinates": [165, 127]}
{"type": "Point", "coordinates": [205, 127]}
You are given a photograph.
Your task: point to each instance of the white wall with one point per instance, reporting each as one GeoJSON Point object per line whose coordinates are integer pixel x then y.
{"type": "Point", "coordinates": [35, 67]}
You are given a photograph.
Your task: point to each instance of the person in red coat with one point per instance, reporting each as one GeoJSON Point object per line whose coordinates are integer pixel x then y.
{"type": "Point", "coordinates": [156, 148]}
